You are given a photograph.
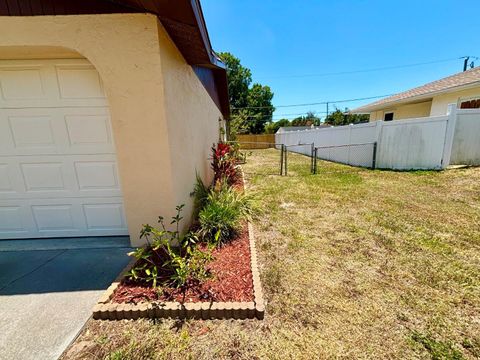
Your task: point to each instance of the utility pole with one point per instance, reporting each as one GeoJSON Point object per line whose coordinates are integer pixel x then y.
{"type": "Point", "coordinates": [467, 59]}
{"type": "Point", "coordinates": [327, 110]}
{"type": "Point", "coordinates": [465, 63]}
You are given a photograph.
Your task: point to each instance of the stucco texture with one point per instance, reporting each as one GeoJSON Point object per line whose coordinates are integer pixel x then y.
{"type": "Point", "coordinates": [163, 120]}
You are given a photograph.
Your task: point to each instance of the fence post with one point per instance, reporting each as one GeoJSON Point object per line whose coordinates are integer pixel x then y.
{"type": "Point", "coordinates": [350, 128]}
{"type": "Point", "coordinates": [449, 134]}
{"type": "Point", "coordinates": [378, 138]}
{"type": "Point", "coordinates": [311, 158]}
{"type": "Point", "coordinates": [281, 160]}
{"type": "Point", "coordinates": [374, 160]}
{"type": "Point", "coordinates": [315, 161]}
{"type": "Point", "coordinates": [285, 155]}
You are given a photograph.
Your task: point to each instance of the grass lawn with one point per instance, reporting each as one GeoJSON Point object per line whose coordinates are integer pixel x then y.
{"type": "Point", "coordinates": [355, 264]}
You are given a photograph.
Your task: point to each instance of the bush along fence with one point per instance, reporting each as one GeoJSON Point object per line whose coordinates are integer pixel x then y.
{"type": "Point", "coordinates": [421, 143]}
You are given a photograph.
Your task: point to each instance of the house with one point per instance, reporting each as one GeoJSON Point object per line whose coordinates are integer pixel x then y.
{"type": "Point", "coordinates": [108, 109]}
{"type": "Point", "coordinates": [431, 99]}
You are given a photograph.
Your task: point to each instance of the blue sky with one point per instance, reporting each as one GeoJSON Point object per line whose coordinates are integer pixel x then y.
{"type": "Point", "coordinates": [280, 41]}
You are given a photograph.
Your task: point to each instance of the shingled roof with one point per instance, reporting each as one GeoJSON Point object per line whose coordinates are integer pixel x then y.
{"type": "Point", "coordinates": [463, 80]}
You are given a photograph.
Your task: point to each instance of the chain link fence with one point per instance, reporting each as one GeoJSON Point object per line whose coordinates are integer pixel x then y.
{"type": "Point", "coordinates": [361, 155]}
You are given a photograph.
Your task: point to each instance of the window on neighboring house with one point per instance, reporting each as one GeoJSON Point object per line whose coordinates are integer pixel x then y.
{"type": "Point", "coordinates": [388, 116]}
{"type": "Point", "coordinates": [470, 104]}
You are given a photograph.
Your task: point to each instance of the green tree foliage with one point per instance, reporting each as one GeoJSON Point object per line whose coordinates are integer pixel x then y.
{"type": "Point", "coordinates": [306, 120]}
{"type": "Point", "coordinates": [338, 118]}
{"type": "Point", "coordinates": [272, 127]}
{"type": "Point", "coordinates": [239, 80]}
{"type": "Point", "coordinates": [259, 101]}
{"type": "Point", "coordinates": [251, 106]}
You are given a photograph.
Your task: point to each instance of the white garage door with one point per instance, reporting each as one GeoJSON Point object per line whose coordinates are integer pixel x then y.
{"type": "Point", "coordinates": [58, 169]}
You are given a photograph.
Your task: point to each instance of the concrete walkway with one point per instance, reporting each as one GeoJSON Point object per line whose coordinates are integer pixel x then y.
{"type": "Point", "coordinates": [48, 288]}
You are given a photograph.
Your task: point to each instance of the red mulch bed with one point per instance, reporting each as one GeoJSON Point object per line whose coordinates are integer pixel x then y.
{"type": "Point", "coordinates": [231, 279]}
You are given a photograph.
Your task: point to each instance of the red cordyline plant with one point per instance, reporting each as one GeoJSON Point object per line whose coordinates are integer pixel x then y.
{"type": "Point", "coordinates": [224, 163]}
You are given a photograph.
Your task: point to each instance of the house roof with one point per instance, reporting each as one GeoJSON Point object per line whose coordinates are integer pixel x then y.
{"type": "Point", "coordinates": [182, 19]}
{"type": "Point", "coordinates": [460, 81]}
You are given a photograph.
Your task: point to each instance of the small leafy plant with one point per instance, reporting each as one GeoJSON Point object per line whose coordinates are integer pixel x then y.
{"type": "Point", "coordinates": [162, 263]}
{"type": "Point", "coordinates": [224, 163]}
{"type": "Point", "coordinates": [240, 157]}
{"type": "Point", "coordinates": [223, 212]}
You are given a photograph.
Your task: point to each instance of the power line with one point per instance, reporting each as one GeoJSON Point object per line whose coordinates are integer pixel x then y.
{"type": "Point", "coordinates": [315, 103]}
{"type": "Point", "coordinates": [362, 70]}
{"type": "Point", "coordinates": [314, 112]}
{"type": "Point", "coordinates": [287, 116]}
{"type": "Point", "coordinates": [302, 113]}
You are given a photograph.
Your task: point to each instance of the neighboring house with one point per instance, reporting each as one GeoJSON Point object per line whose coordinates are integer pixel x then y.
{"type": "Point", "coordinates": [107, 111]}
{"type": "Point", "coordinates": [431, 99]}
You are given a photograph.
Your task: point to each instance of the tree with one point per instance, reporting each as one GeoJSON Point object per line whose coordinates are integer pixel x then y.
{"type": "Point", "coordinates": [259, 102]}
{"type": "Point", "coordinates": [306, 120]}
{"type": "Point", "coordinates": [272, 127]}
{"type": "Point", "coordinates": [239, 80]}
{"type": "Point", "coordinates": [338, 118]}
{"type": "Point", "coordinates": [239, 123]}
{"type": "Point", "coordinates": [251, 107]}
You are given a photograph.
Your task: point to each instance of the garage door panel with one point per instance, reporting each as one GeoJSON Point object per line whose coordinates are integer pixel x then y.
{"type": "Point", "coordinates": [62, 217]}
{"type": "Point", "coordinates": [54, 217]}
{"type": "Point", "coordinates": [21, 83]}
{"type": "Point", "coordinates": [55, 131]}
{"type": "Point", "coordinates": [11, 219]}
{"type": "Point", "coordinates": [97, 175]}
{"type": "Point", "coordinates": [104, 216]}
{"type": "Point", "coordinates": [31, 131]}
{"type": "Point", "coordinates": [50, 83]}
{"type": "Point", "coordinates": [88, 130]}
{"type": "Point", "coordinates": [6, 184]}
{"type": "Point", "coordinates": [43, 176]}
{"type": "Point", "coordinates": [79, 82]}
{"type": "Point", "coordinates": [58, 168]}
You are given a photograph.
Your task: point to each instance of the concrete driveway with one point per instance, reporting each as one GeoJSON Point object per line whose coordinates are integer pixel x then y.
{"type": "Point", "coordinates": [48, 289]}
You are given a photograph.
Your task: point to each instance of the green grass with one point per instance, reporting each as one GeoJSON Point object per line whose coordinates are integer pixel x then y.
{"type": "Point", "coordinates": [355, 264]}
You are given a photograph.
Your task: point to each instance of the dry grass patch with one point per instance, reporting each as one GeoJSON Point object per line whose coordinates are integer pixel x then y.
{"type": "Point", "coordinates": [355, 263]}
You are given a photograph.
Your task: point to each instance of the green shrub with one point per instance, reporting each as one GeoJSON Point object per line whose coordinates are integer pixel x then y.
{"type": "Point", "coordinates": [161, 263]}
{"type": "Point", "coordinates": [224, 163]}
{"type": "Point", "coordinates": [223, 212]}
{"type": "Point", "coordinates": [200, 192]}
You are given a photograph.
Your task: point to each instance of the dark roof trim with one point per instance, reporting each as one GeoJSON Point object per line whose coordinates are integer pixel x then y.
{"type": "Point", "coordinates": [214, 59]}
{"type": "Point", "coordinates": [182, 19]}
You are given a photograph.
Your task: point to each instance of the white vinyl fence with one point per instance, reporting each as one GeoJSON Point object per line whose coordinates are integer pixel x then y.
{"type": "Point", "coordinates": [423, 143]}
{"type": "Point", "coordinates": [412, 143]}
{"type": "Point", "coordinates": [466, 139]}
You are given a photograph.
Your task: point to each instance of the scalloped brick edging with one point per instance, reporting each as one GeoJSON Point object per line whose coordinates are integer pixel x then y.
{"type": "Point", "coordinates": [106, 310]}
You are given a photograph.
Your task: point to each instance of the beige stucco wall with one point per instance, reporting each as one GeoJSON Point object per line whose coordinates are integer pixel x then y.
{"type": "Point", "coordinates": [163, 120]}
{"type": "Point", "coordinates": [404, 111]}
{"type": "Point", "coordinates": [440, 102]}
{"type": "Point", "coordinates": [192, 129]}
